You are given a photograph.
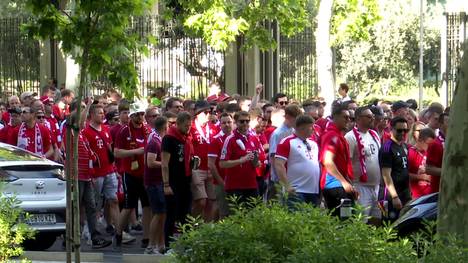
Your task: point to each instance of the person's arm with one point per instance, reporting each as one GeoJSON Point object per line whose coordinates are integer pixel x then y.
{"type": "Point", "coordinates": [256, 96]}
{"type": "Point", "coordinates": [214, 170]}
{"type": "Point", "coordinates": [49, 152]}
{"type": "Point", "coordinates": [386, 173]}
{"type": "Point", "coordinates": [433, 170]}
{"type": "Point", "coordinates": [333, 171]}
{"type": "Point", "coordinates": [231, 163]}
{"type": "Point", "coordinates": [121, 153]}
{"type": "Point", "coordinates": [151, 160]}
{"type": "Point", "coordinates": [165, 157]}
{"type": "Point", "coordinates": [280, 168]}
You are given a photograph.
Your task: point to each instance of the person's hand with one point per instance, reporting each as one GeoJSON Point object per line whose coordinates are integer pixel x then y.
{"type": "Point", "coordinates": [422, 169]}
{"type": "Point", "coordinates": [291, 190]}
{"type": "Point", "coordinates": [248, 157]}
{"type": "Point", "coordinates": [396, 202]}
{"type": "Point", "coordinates": [259, 88]}
{"type": "Point", "coordinates": [168, 190]}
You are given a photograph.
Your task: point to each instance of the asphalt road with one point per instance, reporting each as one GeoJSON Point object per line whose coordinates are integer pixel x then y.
{"type": "Point", "coordinates": [110, 254]}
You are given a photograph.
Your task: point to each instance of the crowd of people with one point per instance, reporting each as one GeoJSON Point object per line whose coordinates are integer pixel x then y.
{"type": "Point", "coordinates": [176, 157]}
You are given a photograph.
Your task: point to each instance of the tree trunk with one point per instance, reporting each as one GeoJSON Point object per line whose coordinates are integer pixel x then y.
{"type": "Point", "coordinates": [324, 52]}
{"type": "Point", "coordinates": [453, 197]}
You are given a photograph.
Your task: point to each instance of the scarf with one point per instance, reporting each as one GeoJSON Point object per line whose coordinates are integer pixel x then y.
{"type": "Point", "coordinates": [361, 153]}
{"type": "Point", "coordinates": [188, 147]}
{"type": "Point", "coordinates": [204, 135]}
{"type": "Point", "coordinates": [23, 141]}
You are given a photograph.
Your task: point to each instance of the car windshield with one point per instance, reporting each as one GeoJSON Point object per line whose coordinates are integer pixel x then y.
{"type": "Point", "coordinates": [10, 153]}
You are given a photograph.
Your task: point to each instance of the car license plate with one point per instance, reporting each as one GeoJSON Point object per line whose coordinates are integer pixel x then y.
{"type": "Point", "coordinates": [41, 219]}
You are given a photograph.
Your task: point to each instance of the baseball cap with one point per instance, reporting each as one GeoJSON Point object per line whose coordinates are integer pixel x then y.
{"type": "Point", "coordinates": [201, 105]}
{"type": "Point", "coordinates": [26, 94]}
{"type": "Point", "coordinates": [16, 110]}
{"type": "Point", "coordinates": [136, 108]}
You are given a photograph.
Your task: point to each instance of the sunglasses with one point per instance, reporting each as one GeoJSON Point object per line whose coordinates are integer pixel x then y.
{"type": "Point", "coordinates": [282, 103]}
{"type": "Point", "coordinates": [243, 121]}
{"type": "Point", "coordinates": [40, 117]}
{"type": "Point", "coordinates": [402, 130]}
{"type": "Point", "coordinates": [24, 112]}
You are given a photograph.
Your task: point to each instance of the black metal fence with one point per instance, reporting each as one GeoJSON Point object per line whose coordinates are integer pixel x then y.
{"type": "Point", "coordinates": [183, 65]}
{"type": "Point", "coordinates": [19, 59]}
{"type": "Point", "coordinates": [456, 35]}
{"type": "Point", "coordinates": [298, 73]}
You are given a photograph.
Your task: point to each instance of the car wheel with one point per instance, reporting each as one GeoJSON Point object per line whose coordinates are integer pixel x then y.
{"type": "Point", "coordinates": [42, 241]}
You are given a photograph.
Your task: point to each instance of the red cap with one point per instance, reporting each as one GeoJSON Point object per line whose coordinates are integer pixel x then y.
{"type": "Point", "coordinates": [46, 99]}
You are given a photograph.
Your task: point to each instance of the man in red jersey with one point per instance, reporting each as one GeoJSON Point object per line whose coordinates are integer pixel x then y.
{"type": "Point", "coordinates": [105, 178]}
{"type": "Point", "coordinates": [214, 152]}
{"type": "Point", "coordinates": [202, 181]}
{"type": "Point", "coordinates": [337, 171]}
{"type": "Point", "coordinates": [31, 135]}
{"type": "Point", "coordinates": [129, 146]}
{"type": "Point", "coordinates": [13, 103]}
{"type": "Point", "coordinates": [13, 123]}
{"type": "Point", "coordinates": [61, 109]}
{"type": "Point", "coordinates": [435, 153]}
{"type": "Point", "coordinates": [239, 158]}
{"type": "Point", "coordinates": [420, 181]}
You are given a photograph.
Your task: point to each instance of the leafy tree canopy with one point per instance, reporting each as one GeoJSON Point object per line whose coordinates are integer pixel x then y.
{"type": "Point", "coordinates": [219, 22]}
{"type": "Point", "coordinates": [95, 34]}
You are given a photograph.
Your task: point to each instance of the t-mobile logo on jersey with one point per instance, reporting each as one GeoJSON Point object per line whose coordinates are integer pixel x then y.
{"type": "Point", "coordinates": [99, 143]}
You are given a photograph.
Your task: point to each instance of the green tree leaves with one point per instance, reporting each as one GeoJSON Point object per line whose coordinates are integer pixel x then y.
{"type": "Point", "coordinates": [95, 34]}
{"type": "Point", "coordinates": [220, 22]}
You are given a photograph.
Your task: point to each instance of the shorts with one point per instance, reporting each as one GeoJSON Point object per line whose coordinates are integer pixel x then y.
{"type": "Point", "coordinates": [105, 187]}
{"type": "Point", "coordinates": [156, 198]}
{"type": "Point", "coordinates": [202, 185]}
{"type": "Point", "coordinates": [221, 201]}
{"type": "Point", "coordinates": [333, 198]}
{"type": "Point", "coordinates": [368, 199]}
{"type": "Point", "coordinates": [134, 189]}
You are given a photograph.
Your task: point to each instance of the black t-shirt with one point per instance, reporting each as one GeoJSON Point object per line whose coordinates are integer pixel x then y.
{"type": "Point", "coordinates": [395, 156]}
{"type": "Point", "coordinates": [177, 177]}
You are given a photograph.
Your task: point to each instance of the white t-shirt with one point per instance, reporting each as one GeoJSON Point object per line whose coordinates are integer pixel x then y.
{"type": "Point", "coordinates": [371, 150]}
{"type": "Point", "coordinates": [279, 134]}
{"type": "Point", "coordinates": [303, 170]}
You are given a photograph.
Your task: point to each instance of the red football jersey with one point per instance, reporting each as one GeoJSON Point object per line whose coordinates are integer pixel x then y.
{"type": "Point", "coordinates": [417, 159]}
{"type": "Point", "coordinates": [435, 155]}
{"type": "Point", "coordinates": [99, 141]}
{"type": "Point", "coordinates": [201, 136]}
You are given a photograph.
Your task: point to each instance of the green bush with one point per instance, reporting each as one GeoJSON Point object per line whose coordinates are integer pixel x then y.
{"type": "Point", "coordinates": [271, 233]}
{"type": "Point", "coordinates": [12, 232]}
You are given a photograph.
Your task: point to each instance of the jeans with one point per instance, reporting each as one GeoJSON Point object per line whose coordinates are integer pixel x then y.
{"type": "Point", "coordinates": [307, 198]}
{"type": "Point", "coordinates": [87, 194]}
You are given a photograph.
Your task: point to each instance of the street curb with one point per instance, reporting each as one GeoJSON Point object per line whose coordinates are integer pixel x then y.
{"type": "Point", "coordinates": [61, 256]}
{"type": "Point", "coordinates": [141, 258]}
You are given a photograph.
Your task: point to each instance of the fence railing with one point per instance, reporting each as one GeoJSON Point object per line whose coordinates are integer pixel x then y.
{"type": "Point", "coordinates": [19, 59]}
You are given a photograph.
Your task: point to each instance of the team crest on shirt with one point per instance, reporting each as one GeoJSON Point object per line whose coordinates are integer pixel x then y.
{"type": "Point", "coordinates": [252, 144]}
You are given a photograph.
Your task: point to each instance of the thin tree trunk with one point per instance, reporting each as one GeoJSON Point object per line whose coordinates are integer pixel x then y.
{"type": "Point", "coordinates": [453, 197]}
{"type": "Point", "coordinates": [324, 52]}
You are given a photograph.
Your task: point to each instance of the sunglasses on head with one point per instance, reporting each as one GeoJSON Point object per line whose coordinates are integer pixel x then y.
{"type": "Point", "coordinates": [244, 121]}
{"type": "Point", "coordinates": [402, 130]}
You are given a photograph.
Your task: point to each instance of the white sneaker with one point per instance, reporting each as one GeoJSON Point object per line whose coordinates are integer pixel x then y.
{"type": "Point", "coordinates": [127, 238]}
{"type": "Point", "coordinates": [152, 251]}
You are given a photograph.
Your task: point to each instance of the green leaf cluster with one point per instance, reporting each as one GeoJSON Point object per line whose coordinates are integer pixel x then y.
{"type": "Point", "coordinates": [220, 22]}
{"type": "Point", "coordinates": [352, 19]}
{"type": "Point", "coordinates": [95, 34]}
{"type": "Point", "coordinates": [387, 62]}
{"type": "Point", "coordinates": [272, 233]}
{"type": "Point", "coordinates": [12, 232]}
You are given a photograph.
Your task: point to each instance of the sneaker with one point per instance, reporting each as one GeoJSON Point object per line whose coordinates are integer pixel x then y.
{"type": "Point", "coordinates": [100, 243]}
{"type": "Point", "coordinates": [110, 230]}
{"type": "Point", "coordinates": [144, 243]}
{"type": "Point", "coordinates": [127, 238]}
{"type": "Point", "coordinates": [152, 251]}
{"type": "Point", "coordinates": [137, 228]}
{"type": "Point", "coordinates": [169, 252]}
{"type": "Point", "coordinates": [117, 241]}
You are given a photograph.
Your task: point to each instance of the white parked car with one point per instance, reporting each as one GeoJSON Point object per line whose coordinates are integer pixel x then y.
{"type": "Point", "coordinates": [40, 186]}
